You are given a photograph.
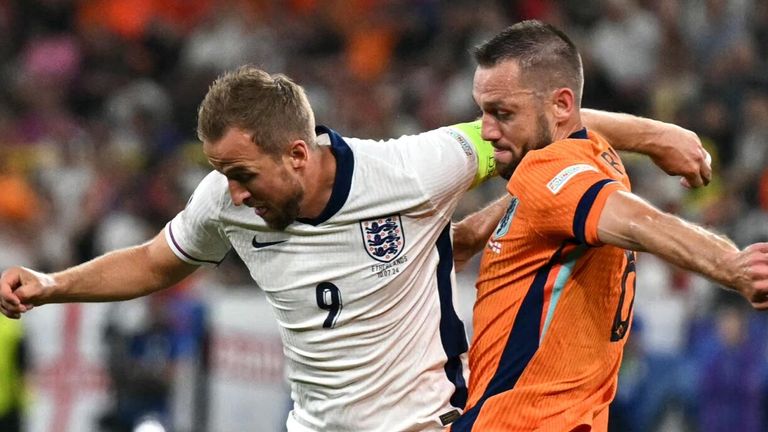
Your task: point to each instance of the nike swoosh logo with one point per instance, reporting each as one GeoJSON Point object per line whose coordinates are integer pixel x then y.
{"type": "Point", "coordinates": [258, 245]}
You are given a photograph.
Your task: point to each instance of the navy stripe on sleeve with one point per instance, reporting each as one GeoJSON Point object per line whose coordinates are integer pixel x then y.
{"type": "Point", "coordinates": [183, 252]}
{"type": "Point", "coordinates": [583, 208]}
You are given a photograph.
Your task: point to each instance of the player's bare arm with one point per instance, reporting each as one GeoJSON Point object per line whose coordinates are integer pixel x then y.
{"type": "Point", "coordinates": [674, 149]}
{"type": "Point", "coordinates": [629, 222]}
{"type": "Point", "coordinates": [119, 275]}
{"type": "Point", "coordinates": [472, 232]}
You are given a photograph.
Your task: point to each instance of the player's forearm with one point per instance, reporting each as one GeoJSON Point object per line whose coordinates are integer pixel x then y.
{"type": "Point", "coordinates": [688, 246]}
{"type": "Point", "coordinates": [626, 132]}
{"type": "Point", "coordinates": [118, 275]}
{"type": "Point", "coordinates": [630, 222]}
{"type": "Point", "coordinates": [471, 233]}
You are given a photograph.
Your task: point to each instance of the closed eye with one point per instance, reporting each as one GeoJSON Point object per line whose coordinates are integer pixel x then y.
{"type": "Point", "coordinates": [242, 177]}
{"type": "Point", "coordinates": [501, 115]}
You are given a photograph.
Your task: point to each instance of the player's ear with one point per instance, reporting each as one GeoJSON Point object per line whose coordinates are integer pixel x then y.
{"type": "Point", "coordinates": [298, 154]}
{"type": "Point", "coordinates": [563, 101]}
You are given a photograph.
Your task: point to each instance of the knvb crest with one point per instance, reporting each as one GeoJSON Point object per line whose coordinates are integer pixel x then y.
{"type": "Point", "coordinates": [383, 238]}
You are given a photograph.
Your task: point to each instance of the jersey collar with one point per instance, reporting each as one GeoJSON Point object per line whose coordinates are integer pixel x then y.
{"type": "Point", "coordinates": [579, 134]}
{"type": "Point", "coordinates": [345, 164]}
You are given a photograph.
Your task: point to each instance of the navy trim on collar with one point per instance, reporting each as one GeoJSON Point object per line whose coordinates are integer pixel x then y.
{"type": "Point", "coordinates": [579, 134]}
{"type": "Point", "coordinates": [345, 166]}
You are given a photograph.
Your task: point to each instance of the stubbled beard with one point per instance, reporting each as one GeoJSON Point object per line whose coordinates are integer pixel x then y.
{"type": "Point", "coordinates": [543, 139]}
{"type": "Point", "coordinates": [278, 218]}
{"type": "Point", "coordinates": [281, 218]}
{"type": "Point", "coordinates": [506, 170]}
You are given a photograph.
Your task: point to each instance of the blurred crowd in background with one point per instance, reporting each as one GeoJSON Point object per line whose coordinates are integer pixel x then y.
{"type": "Point", "coordinates": [98, 150]}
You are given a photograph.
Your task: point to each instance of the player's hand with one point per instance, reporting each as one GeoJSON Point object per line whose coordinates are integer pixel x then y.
{"type": "Point", "coordinates": [19, 290]}
{"type": "Point", "coordinates": [752, 280]}
{"type": "Point", "coordinates": [683, 155]}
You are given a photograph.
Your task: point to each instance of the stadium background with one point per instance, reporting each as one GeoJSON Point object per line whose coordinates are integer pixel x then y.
{"type": "Point", "coordinates": [97, 151]}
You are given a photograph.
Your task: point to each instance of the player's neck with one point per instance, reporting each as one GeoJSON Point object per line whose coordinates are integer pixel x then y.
{"type": "Point", "coordinates": [568, 127]}
{"type": "Point", "coordinates": [318, 182]}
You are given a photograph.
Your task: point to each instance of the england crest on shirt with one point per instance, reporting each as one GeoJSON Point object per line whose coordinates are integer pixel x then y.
{"type": "Point", "coordinates": [383, 238]}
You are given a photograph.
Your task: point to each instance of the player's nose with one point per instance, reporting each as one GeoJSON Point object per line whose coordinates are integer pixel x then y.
{"type": "Point", "coordinates": [238, 193]}
{"type": "Point", "coordinates": [489, 128]}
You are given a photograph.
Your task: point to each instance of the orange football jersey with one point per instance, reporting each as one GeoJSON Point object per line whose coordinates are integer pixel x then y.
{"type": "Point", "coordinates": [554, 305]}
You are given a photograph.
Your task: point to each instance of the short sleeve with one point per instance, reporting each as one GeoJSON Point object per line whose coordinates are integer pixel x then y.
{"type": "Point", "coordinates": [195, 234]}
{"type": "Point", "coordinates": [565, 192]}
{"type": "Point", "coordinates": [450, 160]}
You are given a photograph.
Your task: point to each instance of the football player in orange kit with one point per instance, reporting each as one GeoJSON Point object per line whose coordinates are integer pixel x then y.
{"type": "Point", "coordinates": [556, 284]}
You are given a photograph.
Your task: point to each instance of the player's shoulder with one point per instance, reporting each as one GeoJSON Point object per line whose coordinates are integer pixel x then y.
{"type": "Point", "coordinates": [210, 192]}
{"type": "Point", "coordinates": [463, 134]}
{"type": "Point", "coordinates": [565, 157]}
{"type": "Point", "coordinates": [450, 150]}
{"type": "Point", "coordinates": [586, 148]}
{"type": "Point", "coordinates": [544, 159]}
{"type": "Point", "coordinates": [410, 151]}
{"type": "Point", "coordinates": [213, 181]}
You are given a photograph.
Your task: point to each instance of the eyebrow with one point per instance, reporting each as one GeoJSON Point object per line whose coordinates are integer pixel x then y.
{"type": "Point", "coordinates": [230, 171]}
{"type": "Point", "coordinates": [224, 168]}
{"type": "Point", "coordinates": [498, 106]}
{"type": "Point", "coordinates": [493, 104]}
{"type": "Point", "coordinates": [507, 101]}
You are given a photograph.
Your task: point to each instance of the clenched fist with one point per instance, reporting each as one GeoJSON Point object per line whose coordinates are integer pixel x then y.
{"type": "Point", "coordinates": [21, 289]}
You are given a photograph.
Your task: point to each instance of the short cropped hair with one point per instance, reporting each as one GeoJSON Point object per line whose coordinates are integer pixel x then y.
{"type": "Point", "coordinates": [274, 109]}
{"type": "Point", "coordinates": [548, 59]}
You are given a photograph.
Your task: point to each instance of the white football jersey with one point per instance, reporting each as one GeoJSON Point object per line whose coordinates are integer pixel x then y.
{"type": "Point", "coordinates": [363, 294]}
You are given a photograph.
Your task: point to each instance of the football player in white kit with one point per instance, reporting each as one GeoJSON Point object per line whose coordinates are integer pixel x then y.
{"type": "Point", "coordinates": [350, 240]}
